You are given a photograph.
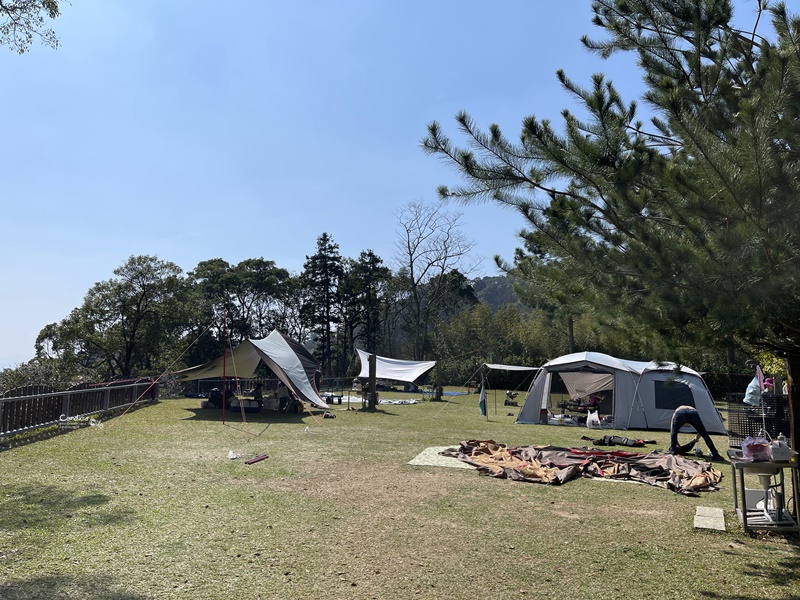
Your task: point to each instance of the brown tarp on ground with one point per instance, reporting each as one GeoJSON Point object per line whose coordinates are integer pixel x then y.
{"type": "Point", "coordinates": [553, 465]}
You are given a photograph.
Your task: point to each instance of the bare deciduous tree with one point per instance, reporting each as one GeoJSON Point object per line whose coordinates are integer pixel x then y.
{"type": "Point", "coordinates": [22, 20]}
{"type": "Point", "coordinates": [429, 246]}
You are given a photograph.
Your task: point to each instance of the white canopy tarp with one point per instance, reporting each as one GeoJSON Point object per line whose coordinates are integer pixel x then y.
{"type": "Point", "coordinates": [394, 369]}
{"type": "Point", "coordinates": [497, 367]}
{"type": "Point", "coordinates": [285, 357]}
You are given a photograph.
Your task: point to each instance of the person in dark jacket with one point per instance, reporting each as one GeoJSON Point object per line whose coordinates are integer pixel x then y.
{"type": "Point", "coordinates": [688, 415]}
{"type": "Point", "coordinates": [215, 398]}
{"type": "Point", "coordinates": [229, 397]}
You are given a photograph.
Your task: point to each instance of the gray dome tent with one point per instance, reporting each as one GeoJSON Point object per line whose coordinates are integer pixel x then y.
{"type": "Point", "coordinates": [645, 394]}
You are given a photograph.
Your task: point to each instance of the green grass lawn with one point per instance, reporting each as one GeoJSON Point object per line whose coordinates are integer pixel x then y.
{"type": "Point", "coordinates": [150, 506]}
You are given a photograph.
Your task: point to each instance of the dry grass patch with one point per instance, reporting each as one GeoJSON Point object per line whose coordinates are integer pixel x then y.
{"type": "Point", "coordinates": [150, 506]}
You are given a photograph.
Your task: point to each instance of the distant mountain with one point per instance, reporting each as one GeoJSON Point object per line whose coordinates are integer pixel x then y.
{"type": "Point", "coordinates": [495, 291]}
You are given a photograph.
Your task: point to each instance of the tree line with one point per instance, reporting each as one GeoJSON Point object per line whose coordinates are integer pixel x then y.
{"type": "Point", "coordinates": [151, 317]}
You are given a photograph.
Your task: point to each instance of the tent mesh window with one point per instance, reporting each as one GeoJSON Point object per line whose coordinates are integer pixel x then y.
{"type": "Point", "coordinates": [671, 395]}
{"type": "Point", "coordinates": [745, 420]}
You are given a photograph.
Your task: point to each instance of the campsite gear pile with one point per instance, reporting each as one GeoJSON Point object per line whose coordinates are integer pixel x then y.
{"type": "Point", "coordinates": [616, 440]}
{"type": "Point", "coordinates": [555, 466]}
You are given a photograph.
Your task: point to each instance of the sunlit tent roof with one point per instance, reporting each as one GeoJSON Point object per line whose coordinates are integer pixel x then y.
{"type": "Point", "coordinates": [394, 369]}
{"type": "Point", "coordinates": [497, 367]}
{"type": "Point", "coordinates": [240, 363]}
{"type": "Point", "coordinates": [285, 357]}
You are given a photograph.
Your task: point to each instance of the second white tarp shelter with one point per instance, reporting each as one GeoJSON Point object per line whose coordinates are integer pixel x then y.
{"type": "Point", "coordinates": [497, 367]}
{"type": "Point", "coordinates": [394, 369]}
{"type": "Point", "coordinates": [645, 394]}
{"type": "Point", "coordinates": [287, 358]}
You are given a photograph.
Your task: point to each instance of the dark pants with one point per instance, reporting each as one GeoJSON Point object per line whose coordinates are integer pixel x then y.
{"type": "Point", "coordinates": [688, 416]}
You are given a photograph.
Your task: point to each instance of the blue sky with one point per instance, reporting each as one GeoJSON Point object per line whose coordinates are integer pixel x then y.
{"type": "Point", "coordinates": [195, 130]}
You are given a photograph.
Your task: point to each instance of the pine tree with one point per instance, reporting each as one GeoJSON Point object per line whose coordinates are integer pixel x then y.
{"type": "Point", "coordinates": [688, 225]}
{"type": "Point", "coordinates": [321, 275]}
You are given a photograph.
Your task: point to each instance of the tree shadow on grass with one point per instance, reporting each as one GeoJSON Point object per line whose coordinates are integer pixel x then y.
{"type": "Point", "coordinates": [270, 416]}
{"type": "Point", "coordinates": [234, 416]}
{"type": "Point", "coordinates": [784, 573]}
{"type": "Point", "coordinates": [50, 506]}
{"type": "Point", "coordinates": [55, 587]}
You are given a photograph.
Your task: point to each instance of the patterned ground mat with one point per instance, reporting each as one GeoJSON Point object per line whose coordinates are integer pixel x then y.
{"type": "Point", "coordinates": [431, 457]}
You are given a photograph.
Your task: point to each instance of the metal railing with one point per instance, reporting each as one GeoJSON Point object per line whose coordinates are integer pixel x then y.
{"type": "Point", "coordinates": [201, 388]}
{"type": "Point", "coordinates": [771, 416]}
{"type": "Point", "coordinates": [20, 413]}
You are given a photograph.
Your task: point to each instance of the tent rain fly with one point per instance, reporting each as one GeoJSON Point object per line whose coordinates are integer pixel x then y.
{"type": "Point", "coordinates": [285, 357]}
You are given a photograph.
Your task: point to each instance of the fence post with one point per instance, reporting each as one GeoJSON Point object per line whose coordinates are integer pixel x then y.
{"type": "Point", "coordinates": [65, 405]}
{"type": "Point", "coordinates": [107, 400]}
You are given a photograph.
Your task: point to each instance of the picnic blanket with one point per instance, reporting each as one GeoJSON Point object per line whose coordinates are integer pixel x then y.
{"type": "Point", "coordinates": [555, 466]}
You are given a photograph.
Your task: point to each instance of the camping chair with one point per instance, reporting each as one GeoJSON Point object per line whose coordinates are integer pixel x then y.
{"type": "Point", "coordinates": [569, 405]}
{"type": "Point", "coordinates": [578, 406]}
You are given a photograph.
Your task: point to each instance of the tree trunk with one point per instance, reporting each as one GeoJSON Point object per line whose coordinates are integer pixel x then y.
{"type": "Point", "coordinates": [571, 334]}
{"type": "Point", "coordinates": [793, 369]}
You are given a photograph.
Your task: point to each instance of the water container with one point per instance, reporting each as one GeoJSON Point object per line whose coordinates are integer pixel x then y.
{"type": "Point", "coordinates": [780, 449]}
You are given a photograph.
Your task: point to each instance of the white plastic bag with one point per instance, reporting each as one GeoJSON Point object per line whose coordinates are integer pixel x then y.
{"type": "Point", "coordinates": [593, 420]}
{"type": "Point", "coordinates": [756, 449]}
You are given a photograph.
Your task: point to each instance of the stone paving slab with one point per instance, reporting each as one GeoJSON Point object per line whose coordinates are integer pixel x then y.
{"type": "Point", "coordinates": [706, 517]}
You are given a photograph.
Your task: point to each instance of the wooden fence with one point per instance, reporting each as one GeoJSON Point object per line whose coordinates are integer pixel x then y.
{"type": "Point", "coordinates": [31, 408]}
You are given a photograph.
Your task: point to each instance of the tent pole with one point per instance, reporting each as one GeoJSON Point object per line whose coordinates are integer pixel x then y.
{"type": "Point", "coordinates": [373, 370]}
{"type": "Point", "coordinates": [308, 410]}
{"type": "Point", "coordinates": [484, 381]}
{"type": "Point", "coordinates": [636, 399]}
{"type": "Point", "coordinates": [224, 361]}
